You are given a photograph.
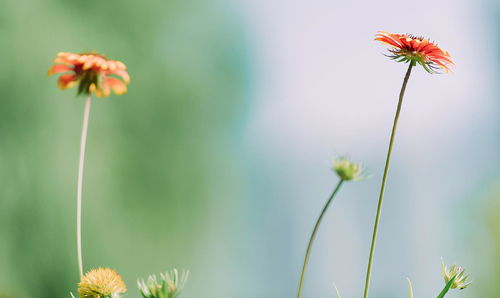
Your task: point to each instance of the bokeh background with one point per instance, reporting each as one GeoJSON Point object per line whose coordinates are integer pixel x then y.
{"type": "Point", "coordinates": [217, 159]}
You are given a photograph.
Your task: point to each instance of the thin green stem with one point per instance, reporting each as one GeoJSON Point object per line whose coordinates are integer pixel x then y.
{"type": "Point", "coordinates": [313, 235]}
{"type": "Point", "coordinates": [447, 287]}
{"type": "Point", "coordinates": [384, 180]}
{"type": "Point", "coordinates": [443, 293]}
{"type": "Point", "coordinates": [83, 143]}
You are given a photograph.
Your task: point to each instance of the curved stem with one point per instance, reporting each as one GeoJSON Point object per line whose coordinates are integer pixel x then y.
{"type": "Point", "coordinates": [384, 180]}
{"type": "Point", "coordinates": [83, 143]}
{"type": "Point", "coordinates": [313, 235]}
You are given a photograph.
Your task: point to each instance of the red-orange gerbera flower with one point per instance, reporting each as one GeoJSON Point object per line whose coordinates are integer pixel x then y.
{"type": "Point", "coordinates": [413, 49]}
{"type": "Point", "coordinates": [92, 71]}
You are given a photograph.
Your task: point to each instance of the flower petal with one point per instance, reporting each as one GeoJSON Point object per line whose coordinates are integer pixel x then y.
{"type": "Point", "coordinates": [66, 81]}
{"type": "Point", "coordinates": [388, 39]}
{"type": "Point", "coordinates": [120, 65]}
{"type": "Point", "coordinates": [116, 85]}
{"type": "Point", "coordinates": [416, 49]}
{"type": "Point", "coordinates": [89, 63]}
{"type": "Point", "coordinates": [103, 91]}
{"type": "Point", "coordinates": [121, 73]}
{"type": "Point", "coordinates": [59, 68]}
{"type": "Point", "coordinates": [112, 65]}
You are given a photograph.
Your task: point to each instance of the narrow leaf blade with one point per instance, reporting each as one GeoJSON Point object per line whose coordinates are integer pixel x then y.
{"type": "Point", "coordinates": [447, 287]}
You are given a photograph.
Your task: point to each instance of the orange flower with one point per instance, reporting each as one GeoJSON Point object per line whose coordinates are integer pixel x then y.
{"type": "Point", "coordinates": [413, 49]}
{"type": "Point", "coordinates": [92, 71]}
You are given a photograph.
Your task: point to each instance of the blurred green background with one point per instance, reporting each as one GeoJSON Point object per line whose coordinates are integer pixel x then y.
{"type": "Point", "coordinates": [149, 183]}
{"type": "Point", "coordinates": [216, 158]}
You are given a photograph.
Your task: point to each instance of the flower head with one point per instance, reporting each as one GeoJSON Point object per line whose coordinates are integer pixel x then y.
{"type": "Point", "coordinates": [456, 272]}
{"type": "Point", "coordinates": [348, 170]}
{"type": "Point", "coordinates": [101, 283]}
{"type": "Point", "coordinates": [414, 49]}
{"type": "Point", "coordinates": [93, 72]}
{"type": "Point", "coordinates": [169, 286]}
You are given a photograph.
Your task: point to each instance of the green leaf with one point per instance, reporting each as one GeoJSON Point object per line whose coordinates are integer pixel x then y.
{"type": "Point", "coordinates": [447, 287]}
{"type": "Point", "coordinates": [410, 289]}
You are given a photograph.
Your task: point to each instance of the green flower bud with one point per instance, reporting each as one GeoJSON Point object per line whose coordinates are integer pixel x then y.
{"type": "Point", "coordinates": [348, 170]}
{"type": "Point", "coordinates": [169, 285]}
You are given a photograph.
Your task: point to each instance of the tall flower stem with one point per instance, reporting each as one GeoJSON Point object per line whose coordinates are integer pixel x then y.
{"type": "Point", "coordinates": [83, 143]}
{"type": "Point", "coordinates": [313, 235]}
{"type": "Point", "coordinates": [446, 289]}
{"type": "Point", "coordinates": [384, 179]}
